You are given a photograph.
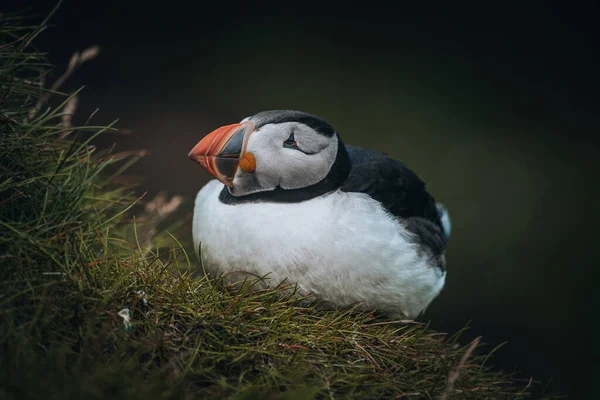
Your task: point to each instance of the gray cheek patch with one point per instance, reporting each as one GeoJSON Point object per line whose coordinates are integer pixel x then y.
{"type": "Point", "coordinates": [278, 166]}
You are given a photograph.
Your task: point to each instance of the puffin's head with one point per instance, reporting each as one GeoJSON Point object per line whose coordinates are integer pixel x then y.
{"type": "Point", "coordinates": [283, 150]}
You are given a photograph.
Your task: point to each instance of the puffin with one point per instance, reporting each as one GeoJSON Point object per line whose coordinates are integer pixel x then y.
{"type": "Point", "coordinates": [291, 203]}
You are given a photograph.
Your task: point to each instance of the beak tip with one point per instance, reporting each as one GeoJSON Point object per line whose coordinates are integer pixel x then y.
{"type": "Point", "coordinates": [199, 160]}
{"type": "Point", "coordinates": [192, 156]}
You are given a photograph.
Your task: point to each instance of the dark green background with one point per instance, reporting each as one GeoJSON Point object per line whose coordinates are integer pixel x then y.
{"type": "Point", "coordinates": [496, 108]}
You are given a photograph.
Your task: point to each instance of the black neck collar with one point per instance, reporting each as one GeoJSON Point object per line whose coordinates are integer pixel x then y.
{"type": "Point", "coordinates": [337, 175]}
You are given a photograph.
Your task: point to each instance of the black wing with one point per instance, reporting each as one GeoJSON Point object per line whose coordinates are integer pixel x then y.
{"type": "Point", "coordinates": [401, 193]}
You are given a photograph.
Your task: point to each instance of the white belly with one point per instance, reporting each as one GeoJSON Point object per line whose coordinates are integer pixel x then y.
{"type": "Point", "coordinates": [343, 247]}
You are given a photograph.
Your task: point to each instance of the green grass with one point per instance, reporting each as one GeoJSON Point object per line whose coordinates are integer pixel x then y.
{"type": "Point", "coordinates": [72, 257]}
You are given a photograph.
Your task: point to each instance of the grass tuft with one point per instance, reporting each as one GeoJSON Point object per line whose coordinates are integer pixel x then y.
{"type": "Point", "coordinates": [96, 304]}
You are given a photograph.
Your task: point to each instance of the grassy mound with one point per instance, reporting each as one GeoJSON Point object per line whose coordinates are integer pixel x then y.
{"type": "Point", "coordinates": [92, 306]}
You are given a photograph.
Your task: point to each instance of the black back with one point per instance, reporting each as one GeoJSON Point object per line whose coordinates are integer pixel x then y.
{"type": "Point", "coordinates": [391, 183]}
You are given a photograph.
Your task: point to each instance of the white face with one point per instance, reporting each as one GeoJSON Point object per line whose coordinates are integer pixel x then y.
{"type": "Point", "coordinates": [282, 164]}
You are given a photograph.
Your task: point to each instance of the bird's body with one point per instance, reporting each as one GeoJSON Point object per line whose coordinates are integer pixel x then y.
{"type": "Point", "coordinates": [365, 232]}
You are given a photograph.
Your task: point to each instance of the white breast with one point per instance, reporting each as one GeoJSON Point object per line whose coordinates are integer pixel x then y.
{"type": "Point", "coordinates": [343, 247]}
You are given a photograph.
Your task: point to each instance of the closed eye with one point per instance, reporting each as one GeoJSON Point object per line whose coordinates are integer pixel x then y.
{"type": "Point", "coordinates": [290, 143]}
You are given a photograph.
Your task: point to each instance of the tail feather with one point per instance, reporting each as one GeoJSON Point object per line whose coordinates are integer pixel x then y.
{"type": "Point", "coordinates": [444, 219]}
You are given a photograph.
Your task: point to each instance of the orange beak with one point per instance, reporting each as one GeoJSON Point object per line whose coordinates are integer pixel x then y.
{"type": "Point", "coordinates": [221, 150]}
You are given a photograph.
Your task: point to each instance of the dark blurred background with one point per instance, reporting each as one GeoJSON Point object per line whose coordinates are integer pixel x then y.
{"type": "Point", "coordinates": [494, 106]}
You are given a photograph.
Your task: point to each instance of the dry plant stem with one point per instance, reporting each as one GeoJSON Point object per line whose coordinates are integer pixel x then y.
{"type": "Point", "coordinates": [156, 211]}
{"type": "Point", "coordinates": [453, 376]}
{"type": "Point", "coordinates": [76, 61]}
{"type": "Point", "coordinates": [67, 116]}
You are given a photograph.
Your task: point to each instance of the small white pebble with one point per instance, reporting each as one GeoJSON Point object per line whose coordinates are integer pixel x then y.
{"type": "Point", "coordinates": [126, 315]}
